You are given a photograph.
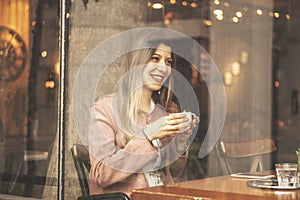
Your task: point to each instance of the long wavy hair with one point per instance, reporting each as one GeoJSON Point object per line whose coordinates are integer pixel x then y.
{"type": "Point", "coordinates": [129, 91]}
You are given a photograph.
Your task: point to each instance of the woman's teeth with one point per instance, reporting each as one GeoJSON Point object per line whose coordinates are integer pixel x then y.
{"type": "Point", "coordinates": [157, 77]}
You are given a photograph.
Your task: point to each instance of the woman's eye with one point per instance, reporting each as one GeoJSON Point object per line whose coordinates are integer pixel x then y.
{"type": "Point", "coordinates": [155, 58]}
{"type": "Point", "coordinates": [169, 62]}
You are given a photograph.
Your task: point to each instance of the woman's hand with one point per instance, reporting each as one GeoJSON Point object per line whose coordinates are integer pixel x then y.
{"type": "Point", "coordinates": [169, 125]}
{"type": "Point", "coordinates": [182, 138]}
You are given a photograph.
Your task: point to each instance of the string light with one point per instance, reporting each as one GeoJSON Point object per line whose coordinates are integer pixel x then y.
{"type": "Point", "coordinates": [44, 54]}
{"type": "Point", "coordinates": [193, 5]}
{"type": "Point", "coordinates": [50, 84]}
{"type": "Point", "coordinates": [220, 17]}
{"type": "Point", "coordinates": [271, 14]}
{"type": "Point", "coordinates": [157, 6]}
{"type": "Point", "coordinates": [216, 2]}
{"type": "Point", "coordinates": [235, 19]}
{"type": "Point", "coordinates": [228, 78]}
{"type": "Point", "coordinates": [207, 22]}
{"type": "Point", "coordinates": [239, 14]}
{"type": "Point", "coordinates": [184, 3]}
{"type": "Point", "coordinates": [276, 14]}
{"type": "Point", "coordinates": [235, 68]}
{"type": "Point", "coordinates": [218, 12]}
{"type": "Point", "coordinates": [259, 11]}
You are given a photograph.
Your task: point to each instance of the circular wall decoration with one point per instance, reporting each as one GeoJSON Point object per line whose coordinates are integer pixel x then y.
{"type": "Point", "coordinates": [12, 54]}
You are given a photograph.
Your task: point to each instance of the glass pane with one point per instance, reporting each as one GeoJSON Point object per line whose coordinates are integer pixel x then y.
{"type": "Point", "coordinates": [29, 78]}
{"type": "Point", "coordinates": [246, 49]}
{"type": "Point", "coordinates": [252, 46]}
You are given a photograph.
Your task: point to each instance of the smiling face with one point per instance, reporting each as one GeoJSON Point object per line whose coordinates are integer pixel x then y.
{"type": "Point", "coordinates": [158, 69]}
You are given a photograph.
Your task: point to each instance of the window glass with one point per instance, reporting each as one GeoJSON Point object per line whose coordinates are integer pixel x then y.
{"type": "Point", "coordinates": [29, 71]}
{"type": "Point", "coordinates": [237, 61]}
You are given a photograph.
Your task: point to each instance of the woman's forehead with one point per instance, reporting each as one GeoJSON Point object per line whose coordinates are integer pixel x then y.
{"type": "Point", "coordinates": [163, 47]}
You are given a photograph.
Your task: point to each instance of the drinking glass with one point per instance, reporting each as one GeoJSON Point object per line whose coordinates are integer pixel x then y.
{"type": "Point", "coordinates": [286, 174]}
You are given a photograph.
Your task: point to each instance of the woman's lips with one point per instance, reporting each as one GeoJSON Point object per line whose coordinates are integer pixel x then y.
{"type": "Point", "coordinates": [157, 78]}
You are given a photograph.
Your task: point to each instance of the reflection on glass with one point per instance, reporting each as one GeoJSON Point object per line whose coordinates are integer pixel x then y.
{"type": "Point", "coordinates": [264, 35]}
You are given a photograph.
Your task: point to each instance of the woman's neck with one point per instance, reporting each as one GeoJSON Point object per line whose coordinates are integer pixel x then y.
{"type": "Point", "coordinates": [146, 101]}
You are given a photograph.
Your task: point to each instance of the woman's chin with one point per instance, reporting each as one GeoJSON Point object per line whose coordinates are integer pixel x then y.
{"type": "Point", "coordinates": [154, 87]}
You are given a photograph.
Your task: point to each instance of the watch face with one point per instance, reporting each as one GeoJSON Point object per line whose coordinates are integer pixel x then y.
{"type": "Point", "coordinates": [12, 55]}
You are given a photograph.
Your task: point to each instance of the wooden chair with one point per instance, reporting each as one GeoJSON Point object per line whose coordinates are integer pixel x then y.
{"type": "Point", "coordinates": [254, 150]}
{"type": "Point", "coordinates": [82, 164]}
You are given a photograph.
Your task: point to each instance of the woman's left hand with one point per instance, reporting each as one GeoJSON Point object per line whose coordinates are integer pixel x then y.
{"type": "Point", "coordinates": [182, 138]}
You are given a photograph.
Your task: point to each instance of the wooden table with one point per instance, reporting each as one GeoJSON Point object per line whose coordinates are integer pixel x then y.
{"type": "Point", "coordinates": [222, 187]}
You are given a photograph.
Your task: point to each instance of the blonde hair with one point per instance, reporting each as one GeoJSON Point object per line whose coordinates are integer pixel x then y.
{"type": "Point", "coordinates": [129, 93]}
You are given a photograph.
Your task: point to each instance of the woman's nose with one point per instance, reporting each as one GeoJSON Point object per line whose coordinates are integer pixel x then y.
{"type": "Point", "coordinates": [162, 66]}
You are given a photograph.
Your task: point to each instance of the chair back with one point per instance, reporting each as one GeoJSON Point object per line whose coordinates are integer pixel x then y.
{"type": "Point", "coordinates": [82, 164]}
{"type": "Point", "coordinates": [252, 149]}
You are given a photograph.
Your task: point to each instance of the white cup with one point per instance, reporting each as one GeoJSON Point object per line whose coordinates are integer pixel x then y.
{"type": "Point", "coordinates": [286, 174]}
{"type": "Point", "coordinates": [189, 115]}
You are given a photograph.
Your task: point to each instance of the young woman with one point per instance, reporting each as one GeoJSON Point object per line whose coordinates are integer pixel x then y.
{"type": "Point", "coordinates": [138, 136]}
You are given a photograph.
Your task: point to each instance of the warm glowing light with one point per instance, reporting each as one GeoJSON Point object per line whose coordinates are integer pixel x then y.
{"type": "Point", "coordinates": [219, 17]}
{"type": "Point", "coordinates": [193, 5]}
{"type": "Point", "coordinates": [184, 3]}
{"type": "Point", "coordinates": [277, 84]}
{"type": "Point", "coordinates": [44, 54]}
{"type": "Point", "coordinates": [235, 68]}
{"type": "Point", "coordinates": [68, 15]}
{"type": "Point", "coordinates": [50, 84]}
{"type": "Point", "coordinates": [57, 68]}
{"type": "Point", "coordinates": [226, 4]}
{"type": "Point", "coordinates": [157, 6]}
{"type": "Point", "coordinates": [281, 123]}
{"type": "Point", "coordinates": [172, 1]}
{"type": "Point", "coordinates": [167, 21]}
{"type": "Point", "coordinates": [259, 11]}
{"type": "Point", "coordinates": [287, 16]}
{"type": "Point", "coordinates": [228, 78]}
{"type": "Point", "coordinates": [33, 23]}
{"type": "Point", "coordinates": [218, 12]}
{"type": "Point", "coordinates": [276, 14]}
{"type": "Point", "coordinates": [216, 2]}
{"type": "Point", "coordinates": [239, 14]}
{"type": "Point", "coordinates": [207, 22]}
{"type": "Point", "coordinates": [149, 4]}
{"type": "Point", "coordinates": [235, 19]}
{"type": "Point", "coordinates": [244, 57]}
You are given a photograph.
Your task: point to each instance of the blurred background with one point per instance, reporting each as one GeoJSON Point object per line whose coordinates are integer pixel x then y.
{"type": "Point", "coordinates": [254, 44]}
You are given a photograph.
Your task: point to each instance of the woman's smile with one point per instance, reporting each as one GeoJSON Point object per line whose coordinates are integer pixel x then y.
{"type": "Point", "coordinates": [158, 78]}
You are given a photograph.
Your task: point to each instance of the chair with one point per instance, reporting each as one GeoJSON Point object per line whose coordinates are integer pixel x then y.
{"type": "Point", "coordinates": [82, 164]}
{"type": "Point", "coordinates": [254, 150]}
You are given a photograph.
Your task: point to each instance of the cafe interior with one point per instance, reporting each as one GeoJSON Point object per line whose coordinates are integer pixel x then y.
{"type": "Point", "coordinates": [248, 123]}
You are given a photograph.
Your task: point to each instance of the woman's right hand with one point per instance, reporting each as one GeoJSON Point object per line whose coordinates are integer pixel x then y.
{"type": "Point", "coordinates": [169, 125]}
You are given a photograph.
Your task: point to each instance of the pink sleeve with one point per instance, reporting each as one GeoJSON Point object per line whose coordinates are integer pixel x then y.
{"type": "Point", "coordinates": [112, 159]}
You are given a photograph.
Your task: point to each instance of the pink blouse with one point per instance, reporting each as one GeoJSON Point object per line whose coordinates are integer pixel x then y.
{"type": "Point", "coordinates": [117, 164]}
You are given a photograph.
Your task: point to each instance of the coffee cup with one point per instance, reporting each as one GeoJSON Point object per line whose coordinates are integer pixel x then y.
{"type": "Point", "coordinates": [189, 115]}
